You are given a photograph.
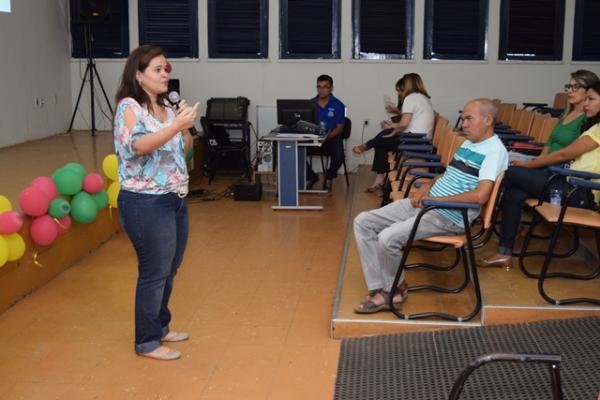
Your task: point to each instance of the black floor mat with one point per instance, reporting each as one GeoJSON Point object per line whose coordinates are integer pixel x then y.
{"type": "Point", "coordinates": [424, 365]}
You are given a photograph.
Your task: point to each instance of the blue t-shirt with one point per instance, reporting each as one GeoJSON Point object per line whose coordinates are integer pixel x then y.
{"type": "Point", "coordinates": [333, 114]}
{"type": "Point", "coordinates": [472, 163]}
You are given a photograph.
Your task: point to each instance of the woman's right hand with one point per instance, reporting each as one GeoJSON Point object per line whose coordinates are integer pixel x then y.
{"type": "Point", "coordinates": [186, 115]}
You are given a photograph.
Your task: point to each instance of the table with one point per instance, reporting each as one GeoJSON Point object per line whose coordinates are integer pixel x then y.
{"type": "Point", "coordinates": [291, 168]}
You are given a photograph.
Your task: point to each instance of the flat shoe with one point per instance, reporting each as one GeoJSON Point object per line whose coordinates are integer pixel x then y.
{"type": "Point", "coordinates": [369, 307]}
{"type": "Point", "coordinates": [169, 356]}
{"type": "Point", "coordinates": [178, 337]}
{"type": "Point", "coordinates": [496, 261]}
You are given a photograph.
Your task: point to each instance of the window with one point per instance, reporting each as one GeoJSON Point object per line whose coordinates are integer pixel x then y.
{"type": "Point", "coordinates": [109, 33]}
{"type": "Point", "coordinates": [172, 25]}
{"type": "Point", "coordinates": [5, 6]}
{"type": "Point", "coordinates": [382, 29]}
{"type": "Point", "coordinates": [238, 28]}
{"type": "Point", "coordinates": [310, 29]}
{"type": "Point", "coordinates": [531, 29]}
{"type": "Point", "coordinates": [586, 44]}
{"type": "Point", "coordinates": [455, 29]}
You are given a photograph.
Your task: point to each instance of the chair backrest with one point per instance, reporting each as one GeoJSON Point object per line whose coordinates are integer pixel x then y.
{"type": "Point", "coordinates": [449, 148]}
{"type": "Point", "coordinates": [549, 125]}
{"type": "Point", "coordinates": [507, 110]}
{"type": "Point", "coordinates": [515, 118]}
{"type": "Point", "coordinates": [560, 100]}
{"type": "Point", "coordinates": [488, 209]}
{"type": "Point", "coordinates": [347, 128]}
{"type": "Point", "coordinates": [537, 124]}
{"type": "Point", "coordinates": [440, 125]}
{"type": "Point", "coordinates": [525, 122]}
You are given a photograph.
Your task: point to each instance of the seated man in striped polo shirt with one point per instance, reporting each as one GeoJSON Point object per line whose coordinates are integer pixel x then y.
{"type": "Point", "coordinates": [381, 233]}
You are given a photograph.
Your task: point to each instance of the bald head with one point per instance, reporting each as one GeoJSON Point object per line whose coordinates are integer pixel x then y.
{"type": "Point", "coordinates": [486, 107]}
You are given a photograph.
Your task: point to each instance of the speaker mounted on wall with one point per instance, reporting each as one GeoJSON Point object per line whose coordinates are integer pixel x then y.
{"type": "Point", "coordinates": [91, 11]}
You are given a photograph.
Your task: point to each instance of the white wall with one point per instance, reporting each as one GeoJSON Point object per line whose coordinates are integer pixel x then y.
{"type": "Point", "coordinates": [35, 63]}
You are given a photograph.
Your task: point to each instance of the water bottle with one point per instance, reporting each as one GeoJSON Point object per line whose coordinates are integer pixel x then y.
{"type": "Point", "coordinates": [556, 197]}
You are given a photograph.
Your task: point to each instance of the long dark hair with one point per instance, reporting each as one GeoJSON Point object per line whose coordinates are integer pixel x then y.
{"type": "Point", "coordinates": [596, 118]}
{"type": "Point", "coordinates": [138, 60]}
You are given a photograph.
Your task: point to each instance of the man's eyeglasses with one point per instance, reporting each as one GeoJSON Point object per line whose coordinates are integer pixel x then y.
{"type": "Point", "coordinates": [323, 87]}
{"type": "Point", "coordinates": [573, 87]}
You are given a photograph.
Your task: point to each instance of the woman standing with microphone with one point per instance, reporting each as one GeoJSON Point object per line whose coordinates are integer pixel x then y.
{"type": "Point", "coordinates": [151, 139]}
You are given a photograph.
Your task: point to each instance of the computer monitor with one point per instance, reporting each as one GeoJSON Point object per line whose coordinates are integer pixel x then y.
{"type": "Point", "coordinates": [289, 112]}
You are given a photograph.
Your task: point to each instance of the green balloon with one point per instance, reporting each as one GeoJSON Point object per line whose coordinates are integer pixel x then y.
{"type": "Point", "coordinates": [77, 168]}
{"type": "Point", "coordinates": [189, 155]}
{"type": "Point", "coordinates": [67, 181]}
{"type": "Point", "coordinates": [83, 208]}
{"type": "Point", "coordinates": [59, 208]}
{"type": "Point", "coordinates": [101, 199]}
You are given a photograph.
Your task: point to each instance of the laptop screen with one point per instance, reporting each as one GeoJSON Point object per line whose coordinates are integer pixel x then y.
{"type": "Point", "coordinates": [289, 112]}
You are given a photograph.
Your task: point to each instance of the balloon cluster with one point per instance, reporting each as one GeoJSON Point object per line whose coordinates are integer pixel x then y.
{"type": "Point", "coordinates": [12, 245]}
{"type": "Point", "coordinates": [71, 192]}
{"type": "Point", "coordinates": [110, 166]}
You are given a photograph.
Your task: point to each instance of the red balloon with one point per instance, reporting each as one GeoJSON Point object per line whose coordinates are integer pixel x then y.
{"type": "Point", "coordinates": [63, 224]}
{"type": "Point", "coordinates": [10, 222]}
{"type": "Point", "coordinates": [44, 230]}
{"type": "Point", "coordinates": [46, 185]}
{"type": "Point", "coordinates": [34, 201]}
{"type": "Point", "coordinates": [93, 183]}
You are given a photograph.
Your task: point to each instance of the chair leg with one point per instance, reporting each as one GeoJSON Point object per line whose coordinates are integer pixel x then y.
{"type": "Point", "coordinates": [346, 171]}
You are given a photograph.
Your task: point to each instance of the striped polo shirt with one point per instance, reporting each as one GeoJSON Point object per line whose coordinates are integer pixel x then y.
{"type": "Point", "coordinates": [472, 162]}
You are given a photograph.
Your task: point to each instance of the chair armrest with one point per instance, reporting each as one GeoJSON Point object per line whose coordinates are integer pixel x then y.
{"type": "Point", "coordinates": [536, 105]}
{"type": "Point", "coordinates": [415, 140]}
{"type": "Point", "coordinates": [422, 164]}
{"type": "Point", "coordinates": [427, 156]}
{"type": "Point", "coordinates": [415, 147]}
{"type": "Point", "coordinates": [584, 183]}
{"type": "Point", "coordinates": [574, 173]}
{"type": "Point", "coordinates": [423, 174]}
{"type": "Point", "coordinates": [408, 135]}
{"type": "Point", "coordinates": [451, 204]}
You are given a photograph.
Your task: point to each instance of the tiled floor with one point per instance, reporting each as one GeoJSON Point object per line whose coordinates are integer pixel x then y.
{"type": "Point", "coordinates": [255, 292]}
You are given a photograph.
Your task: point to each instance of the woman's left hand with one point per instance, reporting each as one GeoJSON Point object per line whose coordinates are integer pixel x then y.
{"type": "Point", "coordinates": [520, 163]}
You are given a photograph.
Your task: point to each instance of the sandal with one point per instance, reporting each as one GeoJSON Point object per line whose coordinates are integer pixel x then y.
{"type": "Point", "coordinates": [368, 306]}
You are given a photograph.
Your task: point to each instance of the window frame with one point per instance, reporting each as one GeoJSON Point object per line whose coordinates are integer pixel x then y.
{"type": "Point", "coordinates": [357, 54]}
{"type": "Point", "coordinates": [482, 35]}
{"type": "Point", "coordinates": [559, 30]}
{"type": "Point", "coordinates": [213, 53]}
{"type": "Point", "coordinates": [336, 24]}
{"type": "Point", "coordinates": [124, 39]}
{"type": "Point", "coordinates": [578, 33]}
{"type": "Point", "coordinates": [194, 51]}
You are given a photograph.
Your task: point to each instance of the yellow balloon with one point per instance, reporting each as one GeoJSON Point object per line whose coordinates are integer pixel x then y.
{"type": "Point", "coordinates": [113, 194]}
{"type": "Point", "coordinates": [110, 166]}
{"type": "Point", "coordinates": [5, 204]}
{"type": "Point", "coordinates": [16, 246]}
{"type": "Point", "coordinates": [3, 251]}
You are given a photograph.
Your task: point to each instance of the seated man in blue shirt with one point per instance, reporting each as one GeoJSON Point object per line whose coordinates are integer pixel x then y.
{"type": "Point", "coordinates": [331, 115]}
{"type": "Point", "coordinates": [381, 233]}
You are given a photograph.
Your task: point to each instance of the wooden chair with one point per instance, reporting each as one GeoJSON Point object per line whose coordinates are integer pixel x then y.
{"type": "Point", "coordinates": [464, 248]}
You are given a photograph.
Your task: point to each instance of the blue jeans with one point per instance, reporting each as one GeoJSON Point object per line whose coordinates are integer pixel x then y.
{"type": "Point", "coordinates": [157, 226]}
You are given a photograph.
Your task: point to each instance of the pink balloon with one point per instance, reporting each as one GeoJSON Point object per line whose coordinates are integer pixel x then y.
{"type": "Point", "coordinates": [10, 222]}
{"type": "Point", "coordinates": [93, 183]}
{"type": "Point", "coordinates": [46, 185]}
{"type": "Point", "coordinates": [63, 224]}
{"type": "Point", "coordinates": [44, 230]}
{"type": "Point", "coordinates": [34, 201]}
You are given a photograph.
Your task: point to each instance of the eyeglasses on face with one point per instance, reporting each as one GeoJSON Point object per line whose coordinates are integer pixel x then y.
{"type": "Point", "coordinates": [573, 87]}
{"type": "Point", "coordinates": [323, 87]}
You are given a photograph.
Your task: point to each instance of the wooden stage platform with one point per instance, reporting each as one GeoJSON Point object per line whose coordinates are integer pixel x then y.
{"type": "Point", "coordinates": [508, 296]}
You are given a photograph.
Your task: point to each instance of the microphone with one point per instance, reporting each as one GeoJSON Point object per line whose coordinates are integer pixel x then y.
{"type": "Point", "coordinates": [174, 99]}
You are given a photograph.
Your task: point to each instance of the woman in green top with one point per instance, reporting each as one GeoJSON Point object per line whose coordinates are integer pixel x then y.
{"type": "Point", "coordinates": [519, 181]}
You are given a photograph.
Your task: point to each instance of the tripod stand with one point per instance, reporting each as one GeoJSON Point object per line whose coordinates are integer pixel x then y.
{"type": "Point", "coordinates": [91, 70]}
